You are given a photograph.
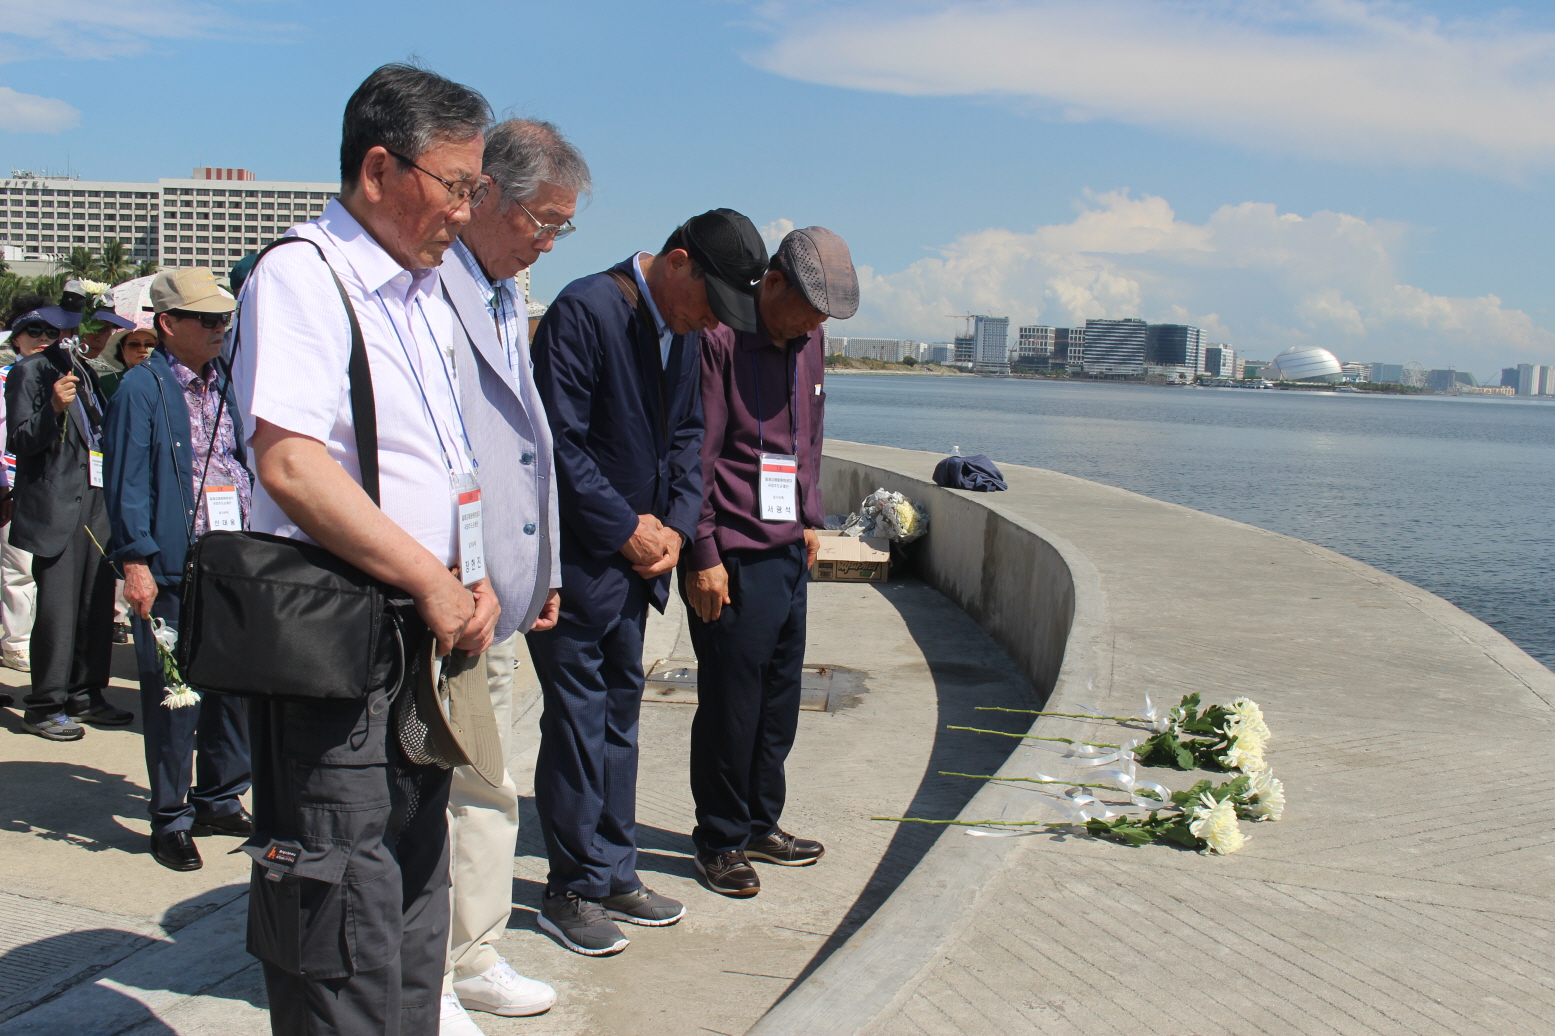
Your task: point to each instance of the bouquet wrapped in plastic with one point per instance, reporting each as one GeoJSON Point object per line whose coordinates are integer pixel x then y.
{"type": "Point", "coordinates": [888, 515]}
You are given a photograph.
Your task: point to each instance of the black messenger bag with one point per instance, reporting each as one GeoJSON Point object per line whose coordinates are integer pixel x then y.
{"type": "Point", "coordinates": [276, 618]}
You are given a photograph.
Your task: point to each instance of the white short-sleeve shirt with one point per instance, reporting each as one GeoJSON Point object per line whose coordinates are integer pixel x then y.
{"type": "Point", "coordinates": [292, 349]}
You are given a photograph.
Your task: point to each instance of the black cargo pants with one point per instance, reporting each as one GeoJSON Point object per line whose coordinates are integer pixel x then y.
{"type": "Point", "coordinates": [348, 902]}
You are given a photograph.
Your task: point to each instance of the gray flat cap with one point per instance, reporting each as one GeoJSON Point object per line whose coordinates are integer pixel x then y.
{"type": "Point", "coordinates": [817, 262]}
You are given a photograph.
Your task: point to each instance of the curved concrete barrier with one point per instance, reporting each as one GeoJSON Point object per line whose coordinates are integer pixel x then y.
{"type": "Point", "coordinates": [1392, 899]}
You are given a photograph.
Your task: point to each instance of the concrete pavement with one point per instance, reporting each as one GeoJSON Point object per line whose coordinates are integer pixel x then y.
{"type": "Point", "coordinates": [96, 938]}
{"type": "Point", "coordinates": [1407, 890]}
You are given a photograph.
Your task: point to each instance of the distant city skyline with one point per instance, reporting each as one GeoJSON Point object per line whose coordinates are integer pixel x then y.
{"type": "Point", "coordinates": [1367, 177]}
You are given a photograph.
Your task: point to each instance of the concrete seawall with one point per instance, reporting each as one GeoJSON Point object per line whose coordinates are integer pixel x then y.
{"type": "Point", "coordinates": [1405, 892]}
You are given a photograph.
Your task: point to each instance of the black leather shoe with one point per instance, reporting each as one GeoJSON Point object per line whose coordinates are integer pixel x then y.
{"type": "Point", "coordinates": [239, 825]}
{"type": "Point", "coordinates": [729, 873]}
{"type": "Point", "coordinates": [175, 850]}
{"type": "Point", "coordinates": [97, 711]}
{"type": "Point", "coordinates": [784, 849]}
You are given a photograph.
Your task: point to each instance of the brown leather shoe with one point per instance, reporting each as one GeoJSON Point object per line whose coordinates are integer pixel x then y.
{"type": "Point", "coordinates": [784, 849]}
{"type": "Point", "coordinates": [729, 873]}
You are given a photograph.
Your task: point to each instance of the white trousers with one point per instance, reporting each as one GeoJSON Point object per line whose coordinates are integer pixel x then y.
{"type": "Point", "coordinates": [482, 838]}
{"type": "Point", "coordinates": [18, 595]}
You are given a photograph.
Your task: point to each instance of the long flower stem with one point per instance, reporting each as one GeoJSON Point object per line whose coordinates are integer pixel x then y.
{"type": "Point", "coordinates": [977, 823]}
{"type": "Point", "coordinates": [1065, 715]}
{"type": "Point", "coordinates": [1033, 737]}
{"type": "Point", "coordinates": [1030, 780]}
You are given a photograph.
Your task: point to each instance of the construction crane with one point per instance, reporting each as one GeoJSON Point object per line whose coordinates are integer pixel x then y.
{"type": "Point", "coordinates": [968, 317]}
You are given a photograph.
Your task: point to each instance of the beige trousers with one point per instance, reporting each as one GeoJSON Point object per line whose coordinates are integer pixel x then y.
{"type": "Point", "coordinates": [18, 596]}
{"type": "Point", "coordinates": [482, 838]}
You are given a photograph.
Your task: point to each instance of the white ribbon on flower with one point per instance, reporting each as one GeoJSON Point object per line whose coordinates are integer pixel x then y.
{"type": "Point", "coordinates": [1157, 718]}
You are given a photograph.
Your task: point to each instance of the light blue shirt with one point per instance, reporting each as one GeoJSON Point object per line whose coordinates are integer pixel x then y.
{"type": "Point", "coordinates": [506, 304]}
{"type": "Point", "coordinates": [666, 336]}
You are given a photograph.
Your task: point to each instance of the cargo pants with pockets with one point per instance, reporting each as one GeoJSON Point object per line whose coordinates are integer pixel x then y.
{"type": "Point", "coordinates": [348, 901]}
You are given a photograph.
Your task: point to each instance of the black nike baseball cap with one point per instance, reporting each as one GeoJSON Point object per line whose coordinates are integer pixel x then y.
{"type": "Point", "coordinates": [730, 252]}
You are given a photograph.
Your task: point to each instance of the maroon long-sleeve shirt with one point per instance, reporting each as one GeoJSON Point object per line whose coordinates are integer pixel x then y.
{"type": "Point", "coordinates": [738, 370]}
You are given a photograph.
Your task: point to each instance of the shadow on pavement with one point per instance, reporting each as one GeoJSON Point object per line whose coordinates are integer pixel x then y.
{"type": "Point", "coordinates": [969, 670]}
{"type": "Point", "coordinates": [71, 802]}
{"type": "Point", "coordinates": [62, 969]}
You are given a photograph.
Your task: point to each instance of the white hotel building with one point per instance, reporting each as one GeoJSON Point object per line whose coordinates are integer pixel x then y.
{"type": "Point", "coordinates": [212, 219]}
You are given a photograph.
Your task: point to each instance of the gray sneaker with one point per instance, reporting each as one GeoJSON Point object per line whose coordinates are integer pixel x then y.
{"type": "Point", "coordinates": [581, 925]}
{"type": "Point", "coordinates": [643, 906]}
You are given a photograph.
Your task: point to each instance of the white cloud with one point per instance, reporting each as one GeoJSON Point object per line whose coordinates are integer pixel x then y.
{"type": "Point", "coordinates": [1250, 275]}
{"type": "Point", "coordinates": [29, 113]}
{"type": "Point", "coordinates": [773, 233]}
{"type": "Point", "coordinates": [1332, 79]}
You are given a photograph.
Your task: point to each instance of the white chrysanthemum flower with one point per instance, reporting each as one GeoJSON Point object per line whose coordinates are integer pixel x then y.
{"type": "Point", "coordinates": [1215, 822]}
{"type": "Point", "coordinates": [1268, 794]}
{"type": "Point", "coordinates": [94, 287]}
{"type": "Point", "coordinates": [1249, 718]}
{"type": "Point", "coordinates": [1246, 754]}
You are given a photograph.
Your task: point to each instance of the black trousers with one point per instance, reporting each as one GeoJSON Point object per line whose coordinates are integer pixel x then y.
{"type": "Point", "coordinates": [749, 663]}
{"type": "Point", "coordinates": [196, 756]}
{"type": "Point", "coordinates": [72, 626]}
{"type": "Point", "coordinates": [348, 902]}
{"type": "Point", "coordinates": [586, 772]}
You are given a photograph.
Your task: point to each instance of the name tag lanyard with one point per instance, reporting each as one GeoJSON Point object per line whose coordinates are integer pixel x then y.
{"type": "Point", "coordinates": [465, 485]}
{"type": "Point", "coordinates": [94, 437]}
{"type": "Point", "coordinates": [777, 475]}
{"type": "Point", "coordinates": [223, 511]}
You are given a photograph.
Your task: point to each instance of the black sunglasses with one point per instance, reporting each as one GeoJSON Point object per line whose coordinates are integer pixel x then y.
{"type": "Point", "coordinates": [40, 331]}
{"type": "Point", "coordinates": [209, 321]}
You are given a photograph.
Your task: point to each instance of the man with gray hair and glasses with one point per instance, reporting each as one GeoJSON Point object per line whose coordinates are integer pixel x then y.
{"type": "Point", "coordinates": [348, 901]}
{"type": "Point", "coordinates": [536, 177]}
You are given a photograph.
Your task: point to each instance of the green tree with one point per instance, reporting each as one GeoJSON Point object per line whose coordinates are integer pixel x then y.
{"type": "Point", "coordinates": [146, 268]}
{"type": "Point", "coordinates": [115, 262]}
{"type": "Point", "coordinates": [79, 264]}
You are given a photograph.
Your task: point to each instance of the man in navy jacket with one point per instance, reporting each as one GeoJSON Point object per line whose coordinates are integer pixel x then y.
{"type": "Point", "coordinates": [159, 450]}
{"type": "Point", "coordinates": [617, 361]}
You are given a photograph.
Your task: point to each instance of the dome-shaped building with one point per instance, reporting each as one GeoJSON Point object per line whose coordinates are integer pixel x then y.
{"type": "Point", "coordinates": [1304, 363]}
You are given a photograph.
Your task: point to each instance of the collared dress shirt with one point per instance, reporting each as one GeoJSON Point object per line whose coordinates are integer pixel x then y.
{"type": "Point", "coordinates": [666, 334]}
{"type": "Point", "coordinates": [225, 468]}
{"type": "Point", "coordinates": [757, 398]}
{"type": "Point", "coordinates": [507, 305]}
{"type": "Point", "coordinates": [292, 347]}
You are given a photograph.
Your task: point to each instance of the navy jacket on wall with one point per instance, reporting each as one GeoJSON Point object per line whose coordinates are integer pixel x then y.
{"type": "Point", "coordinates": [148, 464]}
{"type": "Point", "coordinates": [623, 447]}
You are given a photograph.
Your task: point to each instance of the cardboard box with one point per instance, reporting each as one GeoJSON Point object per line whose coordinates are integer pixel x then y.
{"type": "Point", "coordinates": [851, 559]}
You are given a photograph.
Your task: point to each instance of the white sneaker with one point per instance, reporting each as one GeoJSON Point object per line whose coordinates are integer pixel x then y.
{"type": "Point", "coordinates": [18, 660]}
{"type": "Point", "coordinates": [452, 1021]}
{"type": "Point", "coordinates": [501, 990]}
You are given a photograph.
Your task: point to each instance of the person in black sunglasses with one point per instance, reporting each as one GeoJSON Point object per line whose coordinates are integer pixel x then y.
{"type": "Point", "coordinates": [54, 419]}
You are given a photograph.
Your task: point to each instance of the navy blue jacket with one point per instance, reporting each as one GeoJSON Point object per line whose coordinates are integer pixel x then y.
{"type": "Point", "coordinates": [148, 467]}
{"type": "Point", "coordinates": [628, 437]}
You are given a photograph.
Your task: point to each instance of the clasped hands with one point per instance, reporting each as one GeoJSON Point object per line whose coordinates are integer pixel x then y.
{"type": "Point", "coordinates": [653, 549]}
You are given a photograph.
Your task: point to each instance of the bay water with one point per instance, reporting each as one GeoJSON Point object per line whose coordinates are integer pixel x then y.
{"type": "Point", "coordinates": [1450, 493]}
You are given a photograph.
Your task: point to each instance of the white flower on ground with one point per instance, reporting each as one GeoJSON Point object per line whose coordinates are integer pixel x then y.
{"type": "Point", "coordinates": [1244, 753]}
{"type": "Point", "coordinates": [1215, 822]}
{"type": "Point", "coordinates": [1249, 719]}
{"type": "Point", "coordinates": [1268, 794]}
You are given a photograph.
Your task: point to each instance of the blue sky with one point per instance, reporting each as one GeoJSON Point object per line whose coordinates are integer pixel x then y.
{"type": "Point", "coordinates": [1371, 177]}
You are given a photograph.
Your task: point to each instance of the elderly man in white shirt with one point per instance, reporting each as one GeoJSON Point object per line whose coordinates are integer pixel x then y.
{"type": "Point", "coordinates": [536, 179]}
{"type": "Point", "coordinates": [348, 905]}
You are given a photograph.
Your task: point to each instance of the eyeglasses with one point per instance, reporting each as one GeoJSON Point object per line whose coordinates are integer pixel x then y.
{"type": "Point", "coordinates": [459, 191]}
{"type": "Point", "coordinates": [209, 321]}
{"type": "Point", "coordinates": [40, 331]}
{"type": "Point", "coordinates": [553, 231]}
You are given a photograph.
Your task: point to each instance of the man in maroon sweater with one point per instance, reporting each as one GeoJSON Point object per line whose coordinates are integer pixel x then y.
{"type": "Point", "coordinates": [745, 577]}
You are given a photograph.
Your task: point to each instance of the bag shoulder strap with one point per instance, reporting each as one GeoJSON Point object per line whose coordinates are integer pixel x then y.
{"type": "Point", "coordinates": [364, 412]}
{"type": "Point", "coordinates": [628, 286]}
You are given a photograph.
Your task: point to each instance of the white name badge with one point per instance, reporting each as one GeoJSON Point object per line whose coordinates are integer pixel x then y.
{"type": "Point", "coordinates": [94, 468]}
{"type": "Point", "coordinates": [222, 510]}
{"type": "Point", "coordinates": [472, 545]}
{"type": "Point", "coordinates": [779, 487]}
